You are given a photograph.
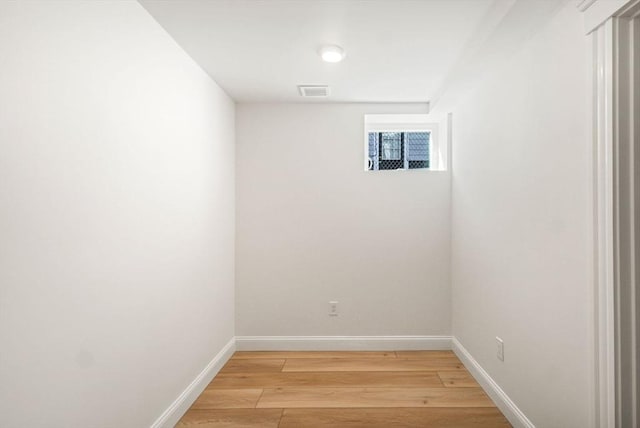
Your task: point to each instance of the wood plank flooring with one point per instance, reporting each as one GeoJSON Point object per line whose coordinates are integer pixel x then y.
{"type": "Point", "coordinates": [343, 389]}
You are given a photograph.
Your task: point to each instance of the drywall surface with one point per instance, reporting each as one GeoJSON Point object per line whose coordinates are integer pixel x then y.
{"type": "Point", "coordinates": [116, 216]}
{"type": "Point", "coordinates": [521, 225]}
{"type": "Point", "coordinates": [313, 227]}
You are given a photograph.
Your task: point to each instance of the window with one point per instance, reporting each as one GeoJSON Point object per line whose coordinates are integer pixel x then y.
{"type": "Point", "coordinates": [398, 150]}
{"type": "Point", "coordinates": [404, 142]}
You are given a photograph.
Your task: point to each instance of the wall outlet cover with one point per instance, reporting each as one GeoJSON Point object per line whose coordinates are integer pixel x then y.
{"type": "Point", "coordinates": [500, 348]}
{"type": "Point", "coordinates": [333, 308]}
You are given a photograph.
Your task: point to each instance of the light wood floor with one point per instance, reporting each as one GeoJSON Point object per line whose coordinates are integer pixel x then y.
{"type": "Point", "coordinates": [344, 389]}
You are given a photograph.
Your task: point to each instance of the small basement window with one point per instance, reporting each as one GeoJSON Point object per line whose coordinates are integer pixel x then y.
{"type": "Point", "coordinates": [398, 150]}
{"type": "Point", "coordinates": [402, 142]}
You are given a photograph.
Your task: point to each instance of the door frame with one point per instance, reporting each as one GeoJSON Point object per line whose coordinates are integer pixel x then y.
{"type": "Point", "coordinates": [614, 28]}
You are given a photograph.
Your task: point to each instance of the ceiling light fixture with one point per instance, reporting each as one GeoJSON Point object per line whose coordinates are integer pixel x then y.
{"type": "Point", "coordinates": [331, 53]}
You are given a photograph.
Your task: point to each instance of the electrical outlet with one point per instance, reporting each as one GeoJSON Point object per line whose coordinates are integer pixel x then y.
{"type": "Point", "coordinates": [333, 308]}
{"type": "Point", "coordinates": [500, 349]}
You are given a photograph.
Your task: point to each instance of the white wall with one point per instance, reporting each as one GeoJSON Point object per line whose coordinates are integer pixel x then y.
{"type": "Point", "coordinates": [313, 226]}
{"type": "Point", "coordinates": [521, 225]}
{"type": "Point", "coordinates": [116, 216]}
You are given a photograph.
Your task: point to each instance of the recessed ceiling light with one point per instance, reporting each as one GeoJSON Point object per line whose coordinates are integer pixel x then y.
{"type": "Point", "coordinates": [331, 53]}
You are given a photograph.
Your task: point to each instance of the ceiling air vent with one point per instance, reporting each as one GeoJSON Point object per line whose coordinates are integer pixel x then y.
{"type": "Point", "coordinates": [313, 91]}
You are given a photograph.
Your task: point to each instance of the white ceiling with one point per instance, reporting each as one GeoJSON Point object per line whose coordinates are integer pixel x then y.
{"type": "Point", "coordinates": [260, 50]}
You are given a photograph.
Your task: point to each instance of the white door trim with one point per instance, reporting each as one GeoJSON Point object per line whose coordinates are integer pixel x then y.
{"type": "Point", "coordinates": [596, 12]}
{"type": "Point", "coordinates": [603, 199]}
{"type": "Point", "coordinates": [615, 198]}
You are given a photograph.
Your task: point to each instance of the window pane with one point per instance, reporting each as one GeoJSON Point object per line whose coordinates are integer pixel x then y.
{"type": "Point", "coordinates": [417, 149]}
{"type": "Point", "coordinates": [373, 151]}
{"type": "Point", "coordinates": [391, 146]}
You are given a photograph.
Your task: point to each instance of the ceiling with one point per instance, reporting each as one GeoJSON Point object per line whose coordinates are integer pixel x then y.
{"type": "Point", "coordinates": [260, 50]}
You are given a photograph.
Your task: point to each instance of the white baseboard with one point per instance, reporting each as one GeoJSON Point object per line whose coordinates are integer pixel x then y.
{"type": "Point", "coordinates": [179, 407]}
{"type": "Point", "coordinates": [502, 400]}
{"type": "Point", "coordinates": [342, 343]}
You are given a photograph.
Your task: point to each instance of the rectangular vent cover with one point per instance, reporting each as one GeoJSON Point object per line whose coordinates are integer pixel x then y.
{"type": "Point", "coordinates": [313, 90]}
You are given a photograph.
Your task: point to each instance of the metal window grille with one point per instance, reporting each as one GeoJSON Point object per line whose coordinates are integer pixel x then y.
{"type": "Point", "coordinates": [398, 150]}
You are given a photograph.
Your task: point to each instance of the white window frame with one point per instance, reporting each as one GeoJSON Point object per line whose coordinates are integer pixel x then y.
{"type": "Point", "coordinates": [407, 123]}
